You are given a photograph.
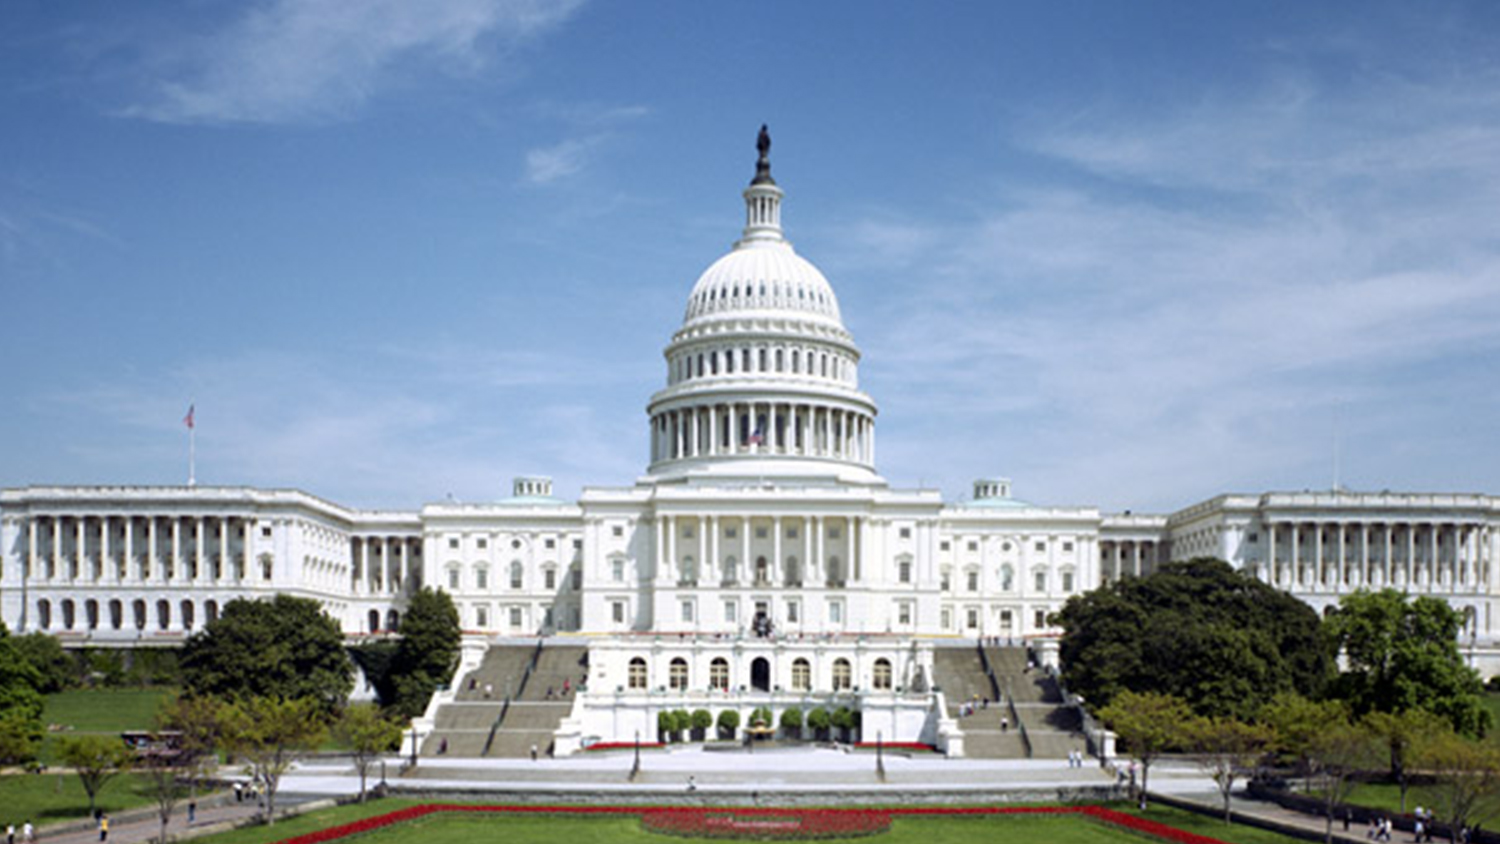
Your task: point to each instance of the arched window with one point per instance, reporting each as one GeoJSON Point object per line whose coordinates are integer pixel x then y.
{"type": "Point", "coordinates": [796, 361]}
{"type": "Point", "coordinates": [481, 577]}
{"type": "Point", "coordinates": [1007, 578]}
{"type": "Point", "coordinates": [374, 621]}
{"type": "Point", "coordinates": [91, 612]}
{"type": "Point", "coordinates": [801, 675]}
{"type": "Point", "coordinates": [842, 678]}
{"type": "Point", "coordinates": [68, 614]}
{"type": "Point", "coordinates": [689, 570]}
{"type": "Point", "coordinates": [392, 620]}
{"type": "Point", "coordinates": [116, 615]}
{"type": "Point", "coordinates": [762, 571]}
{"type": "Point", "coordinates": [731, 570]}
{"type": "Point", "coordinates": [637, 673]}
{"type": "Point", "coordinates": [677, 674]}
{"type": "Point", "coordinates": [882, 677]}
{"type": "Point", "coordinates": [44, 613]}
{"type": "Point", "coordinates": [793, 572]}
{"type": "Point", "coordinates": [718, 674]}
{"type": "Point", "coordinates": [138, 609]}
{"type": "Point", "coordinates": [516, 574]}
{"type": "Point", "coordinates": [186, 610]}
{"type": "Point", "coordinates": [779, 367]}
{"type": "Point", "coordinates": [163, 614]}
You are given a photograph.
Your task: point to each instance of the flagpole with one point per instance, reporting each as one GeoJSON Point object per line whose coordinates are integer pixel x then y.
{"type": "Point", "coordinates": [192, 456]}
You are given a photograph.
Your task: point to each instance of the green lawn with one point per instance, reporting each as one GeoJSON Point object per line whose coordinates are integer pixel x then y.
{"type": "Point", "coordinates": [49, 798]}
{"type": "Point", "coordinates": [586, 829]}
{"type": "Point", "coordinates": [105, 710]}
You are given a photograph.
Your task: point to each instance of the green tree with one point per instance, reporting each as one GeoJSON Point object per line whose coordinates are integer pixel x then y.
{"type": "Point", "coordinates": [844, 721]}
{"type": "Point", "coordinates": [1468, 778]}
{"type": "Point", "coordinates": [368, 734]}
{"type": "Point", "coordinates": [1149, 723]}
{"type": "Point", "coordinates": [791, 722]}
{"type": "Point", "coordinates": [270, 733]}
{"type": "Point", "coordinates": [1403, 734]}
{"type": "Point", "coordinates": [20, 704]}
{"type": "Point", "coordinates": [1197, 630]}
{"type": "Point", "coordinates": [1226, 747]}
{"type": "Point", "coordinates": [285, 647]}
{"type": "Point", "coordinates": [1403, 654]}
{"type": "Point", "coordinates": [819, 722]}
{"type": "Point", "coordinates": [164, 785]}
{"type": "Point", "coordinates": [426, 656]}
{"type": "Point", "coordinates": [96, 760]}
{"type": "Point", "coordinates": [729, 721]}
{"type": "Point", "coordinates": [702, 720]}
{"type": "Point", "coordinates": [55, 669]}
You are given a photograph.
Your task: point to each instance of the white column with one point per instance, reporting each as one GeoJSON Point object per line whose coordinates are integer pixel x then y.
{"type": "Point", "coordinates": [1297, 553]}
{"type": "Point", "coordinates": [1271, 554]}
{"type": "Point", "coordinates": [198, 573]}
{"type": "Point", "coordinates": [818, 547]}
{"type": "Point", "coordinates": [31, 550]}
{"type": "Point", "coordinates": [225, 525]}
{"type": "Point", "coordinates": [80, 543]}
{"type": "Point", "coordinates": [714, 572]}
{"type": "Point", "coordinates": [747, 570]}
{"type": "Point", "coordinates": [777, 572]}
{"type": "Point", "coordinates": [105, 563]}
{"type": "Point", "coordinates": [403, 564]}
{"type": "Point", "coordinates": [713, 429]}
{"type": "Point", "coordinates": [670, 572]}
{"type": "Point", "coordinates": [153, 546]}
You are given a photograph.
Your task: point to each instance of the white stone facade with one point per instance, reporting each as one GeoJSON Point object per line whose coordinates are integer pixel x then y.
{"type": "Point", "coordinates": [760, 500]}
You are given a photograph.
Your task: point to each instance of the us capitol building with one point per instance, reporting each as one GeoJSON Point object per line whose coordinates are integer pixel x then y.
{"type": "Point", "coordinates": [760, 549]}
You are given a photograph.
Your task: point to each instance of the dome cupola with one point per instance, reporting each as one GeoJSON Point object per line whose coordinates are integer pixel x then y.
{"type": "Point", "coordinates": [762, 376]}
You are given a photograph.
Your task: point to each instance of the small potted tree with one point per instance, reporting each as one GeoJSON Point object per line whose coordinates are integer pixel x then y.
{"type": "Point", "coordinates": [729, 722]}
{"type": "Point", "coordinates": [843, 720]}
{"type": "Point", "coordinates": [791, 723]}
{"type": "Point", "coordinates": [819, 722]}
{"type": "Point", "coordinates": [702, 719]}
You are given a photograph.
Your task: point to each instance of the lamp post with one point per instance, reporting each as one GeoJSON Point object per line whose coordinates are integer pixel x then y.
{"type": "Point", "coordinates": [414, 747]}
{"type": "Point", "coordinates": [880, 755]}
{"type": "Point", "coordinates": [635, 768]}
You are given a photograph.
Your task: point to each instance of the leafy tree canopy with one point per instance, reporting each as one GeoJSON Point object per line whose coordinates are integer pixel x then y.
{"type": "Point", "coordinates": [1197, 630]}
{"type": "Point", "coordinates": [1403, 654]}
{"type": "Point", "coordinates": [426, 655]}
{"type": "Point", "coordinates": [19, 682]}
{"type": "Point", "coordinates": [56, 670]}
{"type": "Point", "coordinates": [283, 648]}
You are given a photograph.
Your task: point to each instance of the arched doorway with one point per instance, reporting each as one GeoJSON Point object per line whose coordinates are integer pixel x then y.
{"type": "Point", "coordinates": [760, 674]}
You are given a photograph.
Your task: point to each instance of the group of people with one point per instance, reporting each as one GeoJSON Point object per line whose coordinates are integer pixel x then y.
{"type": "Point", "coordinates": [1075, 758]}
{"type": "Point", "coordinates": [27, 834]}
{"type": "Point", "coordinates": [252, 790]}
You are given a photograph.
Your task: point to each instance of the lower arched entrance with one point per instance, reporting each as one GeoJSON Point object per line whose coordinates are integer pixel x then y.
{"type": "Point", "coordinates": [760, 674]}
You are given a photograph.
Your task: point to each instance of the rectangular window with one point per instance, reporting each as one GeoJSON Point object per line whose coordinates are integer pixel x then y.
{"type": "Point", "coordinates": [481, 579]}
{"type": "Point", "coordinates": [1041, 546]}
{"type": "Point", "coordinates": [903, 613]}
{"type": "Point", "coordinates": [577, 579]}
{"type": "Point", "coordinates": [1254, 538]}
{"type": "Point", "coordinates": [266, 532]}
{"type": "Point", "coordinates": [481, 617]}
{"type": "Point", "coordinates": [687, 612]}
{"type": "Point", "coordinates": [452, 542]}
{"type": "Point", "coordinates": [947, 618]}
{"type": "Point", "coordinates": [617, 570]}
{"type": "Point", "coordinates": [944, 545]}
{"type": "Point", "coordinates": [836, 612]}
{"type": "Point", "coordinates": [730, 533]}
{"type": "Point", "coordinates": [1041, 619]}
{"type": "Point", "coordinates": [972, 617]}
{"type": "Point", "coordinates": [687, 531]}
{"type": "Point", "coordinates": [973, 546]}
{"type": "Point", "coordinates": [833, 533]}
{"type": "Point", "coordinates": [481, 542]}
{"type": "Point", "coordinates": [1067, 546]}
{"type": "Point", "coordinates": [906, 533]}
{"type": "Point", "coordinates": [973, 581]}
{"type": "Point", "coordinates": [578, 545]}
{"type": "Point", "coordinates": [731, 612]}
{"type": "Point", "coordinates": [549, 578]}
{"type": "Point", "coordinates": [617, 530]}
{"type": "Point", "coordinates": [793, 610]}
{"type": "Point", "coordinates": [453, 580]}
{"type": "Point", "coordinates": [1041, 581]}
{"type": "Point", "coordinates": [617, 611]}
{"type": "Point", "coordinates": [515, 616]}
{"type": "Point", "coordinates": [1067, 581]}
{"type": "Point", "coordinates": [551, 543]}
{"type": "Point", "coordinates": [760, 533]}
{"type": "Point", "coordinates": [791, 533]}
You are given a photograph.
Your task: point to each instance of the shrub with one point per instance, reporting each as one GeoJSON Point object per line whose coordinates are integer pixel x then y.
{"type": "Point", "coordinates": [729, 721]}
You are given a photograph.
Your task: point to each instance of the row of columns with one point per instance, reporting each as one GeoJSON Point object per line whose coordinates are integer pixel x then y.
{"type": "Point", "coordinates": [753, 428]}
{"type": "Point", "coordinates": [761, 360]}
{"type": "Point", "coordinates": [187, 557]}
{"type": "Point", "coordinates": [815, 563]}
{"type": "Point", "coordinates": [1118, 558]}
{"type": "Point", "coordinates": [1398, 556]}
{"type": "Point", "coordinates": [383, 564]}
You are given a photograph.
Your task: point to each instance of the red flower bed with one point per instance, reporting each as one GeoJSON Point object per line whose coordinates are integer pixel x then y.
{"type": "Point", "coordinates": [624, 745]}
{"type": "Point", "coordinates": [897, 745]}
{"type": "Point", "coordinates": [761, 824]}
{"type": "Point", "coordinates": [766, 824]}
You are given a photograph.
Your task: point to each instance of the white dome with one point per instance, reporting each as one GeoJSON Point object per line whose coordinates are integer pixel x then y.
{"type": "Point", "coordinates": [760, 277]}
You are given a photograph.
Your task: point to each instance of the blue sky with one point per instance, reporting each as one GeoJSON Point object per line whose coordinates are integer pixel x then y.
{"type": "Point", "coordinates": [1128, 254]}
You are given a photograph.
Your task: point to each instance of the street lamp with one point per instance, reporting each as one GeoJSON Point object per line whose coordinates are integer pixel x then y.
{"type": "Point", "coordinates": [880, 755]}
{"type": "Point", "coordinates": [414, 747]}
{"type": "Point", "coordinates": [635, 769]}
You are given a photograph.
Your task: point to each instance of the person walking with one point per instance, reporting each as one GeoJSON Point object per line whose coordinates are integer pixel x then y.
{"type": "Point", "coordinates": [192, 812]}
{"type": "Point", "coordinates": [103, 828]}
{"type": "Point", "coordinates": [28, 833]}
{"type": "Point", "coordinates": [10, 833]}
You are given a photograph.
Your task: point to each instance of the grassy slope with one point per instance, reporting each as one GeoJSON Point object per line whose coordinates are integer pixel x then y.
{"type": "Point", "coordinates": [53, 797]}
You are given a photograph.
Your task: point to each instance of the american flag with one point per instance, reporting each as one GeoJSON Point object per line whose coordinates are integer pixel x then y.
{"type": "Point", "coordinates": [188, 419]}
{"type": "Point", "coordinates": [759, 437]}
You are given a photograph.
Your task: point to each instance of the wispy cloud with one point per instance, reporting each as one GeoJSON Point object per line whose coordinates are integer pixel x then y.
{"type": "Point", "coordinates": [567, 158]}
{"type": "Point", "coordinates": [300, 60]}
{"type": "Point", "coordinates": [594, 126]}
{"type": "Point", "coordinates": [1192, 309]}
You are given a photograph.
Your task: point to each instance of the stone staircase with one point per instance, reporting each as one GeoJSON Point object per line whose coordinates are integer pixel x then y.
{"type": "Point", "coordinates": [991, 731]}
{"type": "Point", "coordinates": [479, 723]}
